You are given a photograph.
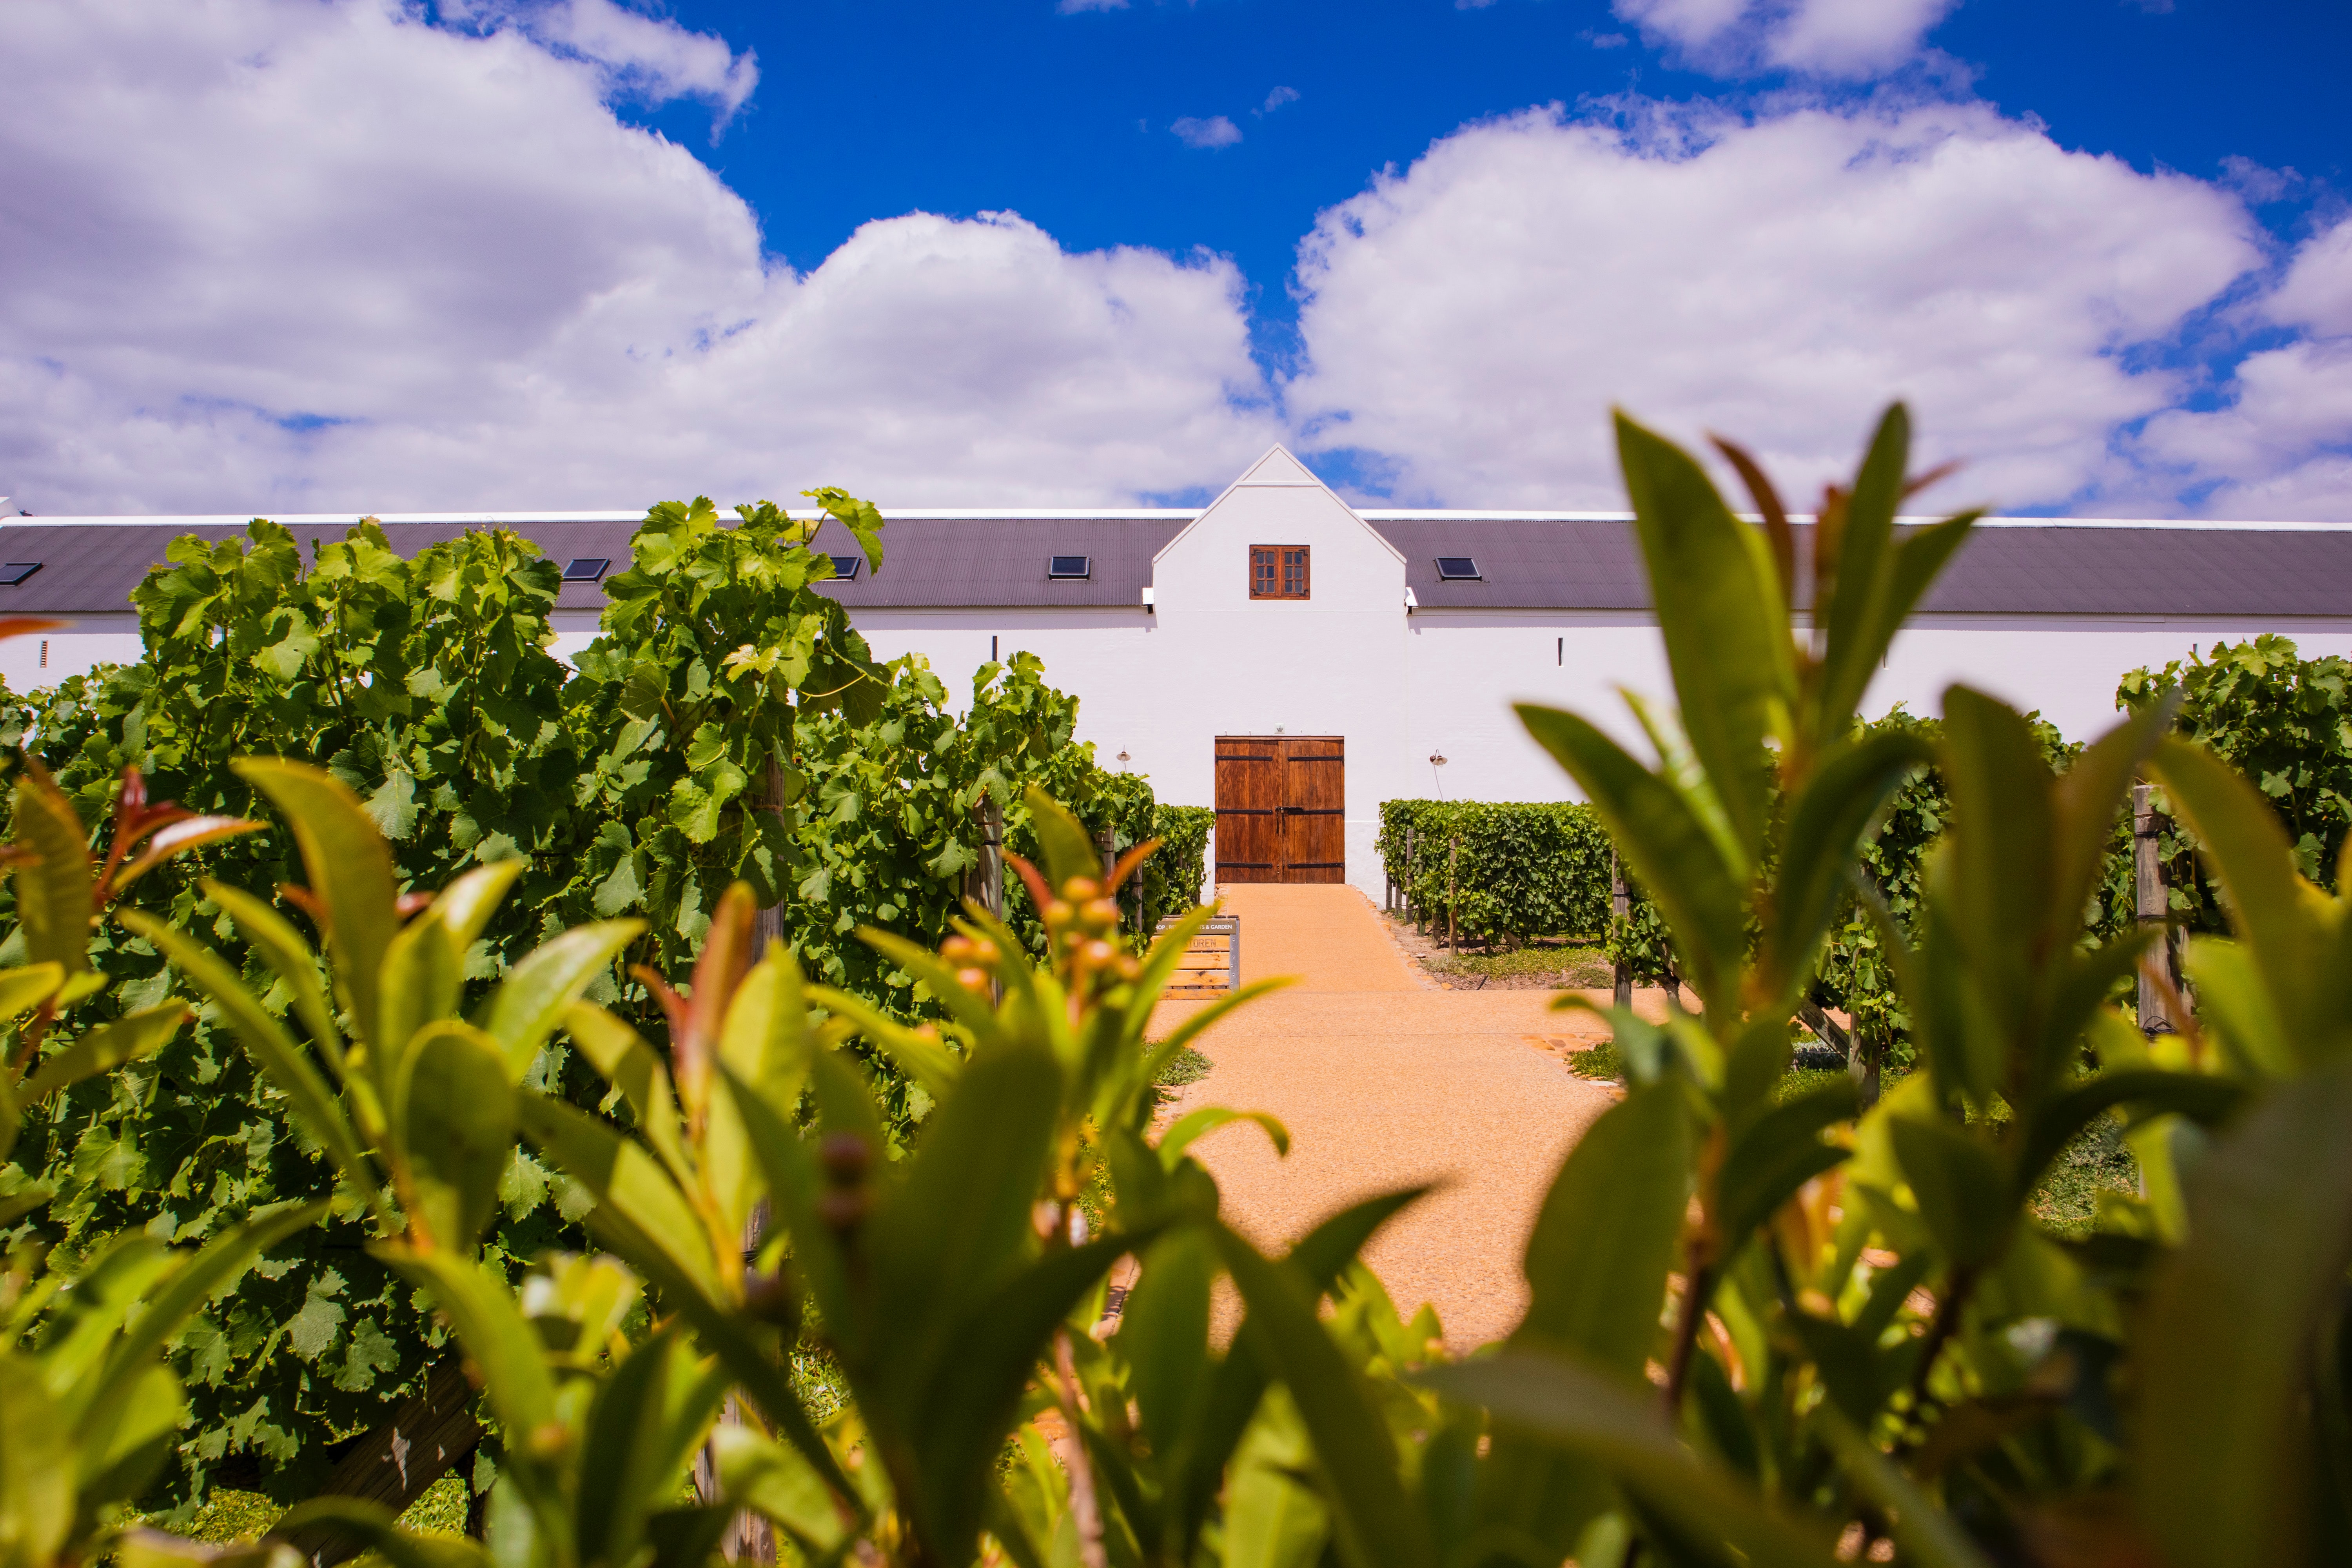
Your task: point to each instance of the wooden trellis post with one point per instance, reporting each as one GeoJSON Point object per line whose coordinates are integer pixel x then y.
{"type": "Point", "coordinates": [1452, 860]}
{"type": "Point", "coordinates": [1411, 865]}
{"type": "Point", "coordinates": [1107, 846]}
{"type": "Point", "coordinates": [984, 883]}
{"type": "Point", "coordinates": [2152, 907]}
{"type": "Point", "coordinates": [1620, 904]}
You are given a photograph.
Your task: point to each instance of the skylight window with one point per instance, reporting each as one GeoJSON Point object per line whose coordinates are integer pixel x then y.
{"type": "Point", "coordinates": [1458, 569]}
{"type": "Point", "coordinates": [1070, 566]}
{"type": "Point", "coordinates": [587, 569]}
{"type": "Point", "coordinates": [16, 571]}
{"type": "Point", "coordinates": [846, 566]}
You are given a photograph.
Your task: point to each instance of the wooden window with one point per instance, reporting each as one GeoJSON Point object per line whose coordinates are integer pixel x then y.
{"type": "Point", "coordinates": [1278, 572]}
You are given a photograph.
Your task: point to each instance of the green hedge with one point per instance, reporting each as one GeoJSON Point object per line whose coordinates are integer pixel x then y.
{"type": "Point", "coordinates": [1510, 871]}
{"type": "Point", "coordinates": [1506, 871]}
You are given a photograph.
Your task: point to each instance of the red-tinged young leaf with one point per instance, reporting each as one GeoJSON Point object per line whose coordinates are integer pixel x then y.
{"type": "Point", "coordinates": [188, 832]}
{"type": "Point", "coordinates": [1768, 505]}
{"type": "Point", "coordinates": [29, 625]}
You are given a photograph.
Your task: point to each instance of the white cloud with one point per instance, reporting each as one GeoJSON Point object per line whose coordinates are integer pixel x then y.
{"type": "Point", "coordinates": [1278, 97]}
{"type": "Point", "coordinates": [1846, 39]}
{"type": "Point", "coordinates": [288, 255]}
{"type": "Point", "coordinates": [1472, 318]}
{"type": "Point", "coordinates": [1072, 7]}
{"type": "Point", "coordinates": [643, 57]}
{"type": "Point", "coordinates": [2317, 290]}
{"type": "Point", "coordinates": [1853, 38]}
{"type": "Point", "coordinates": [2280, 443]}
{"type": "Point", "coordinates": [1691, 24]}
{"type": "Point", "coordinates": [1215, 131]}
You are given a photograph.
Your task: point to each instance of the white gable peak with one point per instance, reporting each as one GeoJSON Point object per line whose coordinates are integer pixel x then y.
{"type": "Point", "coordinates": [1277, 468]}
{"type": "Point", "coordinates": [1278, 493]}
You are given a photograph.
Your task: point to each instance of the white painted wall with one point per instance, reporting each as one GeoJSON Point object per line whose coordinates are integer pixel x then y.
{"type": "Point", "coordinates": [2067, 666]}
{"type": "Point", "coordinates": [87, 641]}
{"type": "Point", "coordinates": [1468, 667]}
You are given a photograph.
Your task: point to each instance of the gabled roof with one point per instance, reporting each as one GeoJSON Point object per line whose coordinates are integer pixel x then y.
{"type": "Point", "coordinates": [975, 559]}
{"type": "Point", "coordinates": [1277, 470]}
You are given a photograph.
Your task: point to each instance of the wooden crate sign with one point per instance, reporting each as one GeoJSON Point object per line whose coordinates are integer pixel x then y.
{"type": "Point", "coordinates": [1211, 961]}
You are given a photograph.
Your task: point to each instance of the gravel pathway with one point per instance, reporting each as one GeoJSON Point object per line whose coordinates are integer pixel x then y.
{"type": "Point", "coordinates": [1385, 1081]}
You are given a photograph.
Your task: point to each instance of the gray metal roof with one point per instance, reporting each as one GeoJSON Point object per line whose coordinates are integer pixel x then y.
{"type": "Point", "coordinates": [1594, 564]}
{"type": "Point", "coordinates": [90, 569]}
{"type": "Point", "coordinates": [1523, 564]}
{"type": "Point", "coordinates": [2149, 571]}
{"type": "Point", "coordinates": [999, 562]}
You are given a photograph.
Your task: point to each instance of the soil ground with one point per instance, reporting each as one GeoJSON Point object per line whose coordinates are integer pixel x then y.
{"type": "Point", "coordinates": [1385, 1079]}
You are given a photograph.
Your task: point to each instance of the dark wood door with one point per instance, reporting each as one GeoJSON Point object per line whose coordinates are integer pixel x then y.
{"type": "Point", "coordinates": [1281, 808]}
{"type": "Point", "coordinates": [1314, 819]}
{"type": "Point", "coordinates": [1251, 782]}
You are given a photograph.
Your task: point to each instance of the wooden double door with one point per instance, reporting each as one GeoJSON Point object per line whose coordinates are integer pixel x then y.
{"type": "Point", "coordinates": [1282, 808]}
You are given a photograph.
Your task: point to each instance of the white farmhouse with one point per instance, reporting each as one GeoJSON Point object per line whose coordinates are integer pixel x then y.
{"type": "Point", "coordinates": [1294, 662]}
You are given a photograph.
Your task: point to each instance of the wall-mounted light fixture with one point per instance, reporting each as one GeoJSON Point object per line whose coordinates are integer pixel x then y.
{"type": "Point", "coordinates": [1437, 760]}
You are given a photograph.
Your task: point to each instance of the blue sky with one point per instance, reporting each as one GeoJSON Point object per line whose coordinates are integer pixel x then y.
{"type": "Point", "coordinates": [393, 255]}
{"type": "Point", "coordinates": [869, 110]}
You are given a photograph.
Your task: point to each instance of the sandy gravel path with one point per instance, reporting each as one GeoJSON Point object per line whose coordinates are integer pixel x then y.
{"type": "Point", "coordinates": [1385, 1081]}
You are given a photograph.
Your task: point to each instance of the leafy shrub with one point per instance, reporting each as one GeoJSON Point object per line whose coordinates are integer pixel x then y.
{"type": "Point", "coordinates": [2284, 721]}
{"type": "Point", "coordinates": [425, 686]}
{"type": "Point", "coordinates": [1173, 879]}
{"type": "Point", "coordinates": [1858, 973]}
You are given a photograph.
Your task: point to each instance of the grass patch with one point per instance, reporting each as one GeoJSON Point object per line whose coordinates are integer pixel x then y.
{"type": "Point", "coordinates": [1189, 1065]}
{"type": "Point", "coordinates": [2067, 1202]}
{"type": "Point", "coordinates": [1599, 1062]}
{"type": "Point", "coordinates": [229, 1516]}
{"type": "Point", "coordinates": [1569, 965]}
{"type": "Point", "coordinates": [1798, 1082]}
